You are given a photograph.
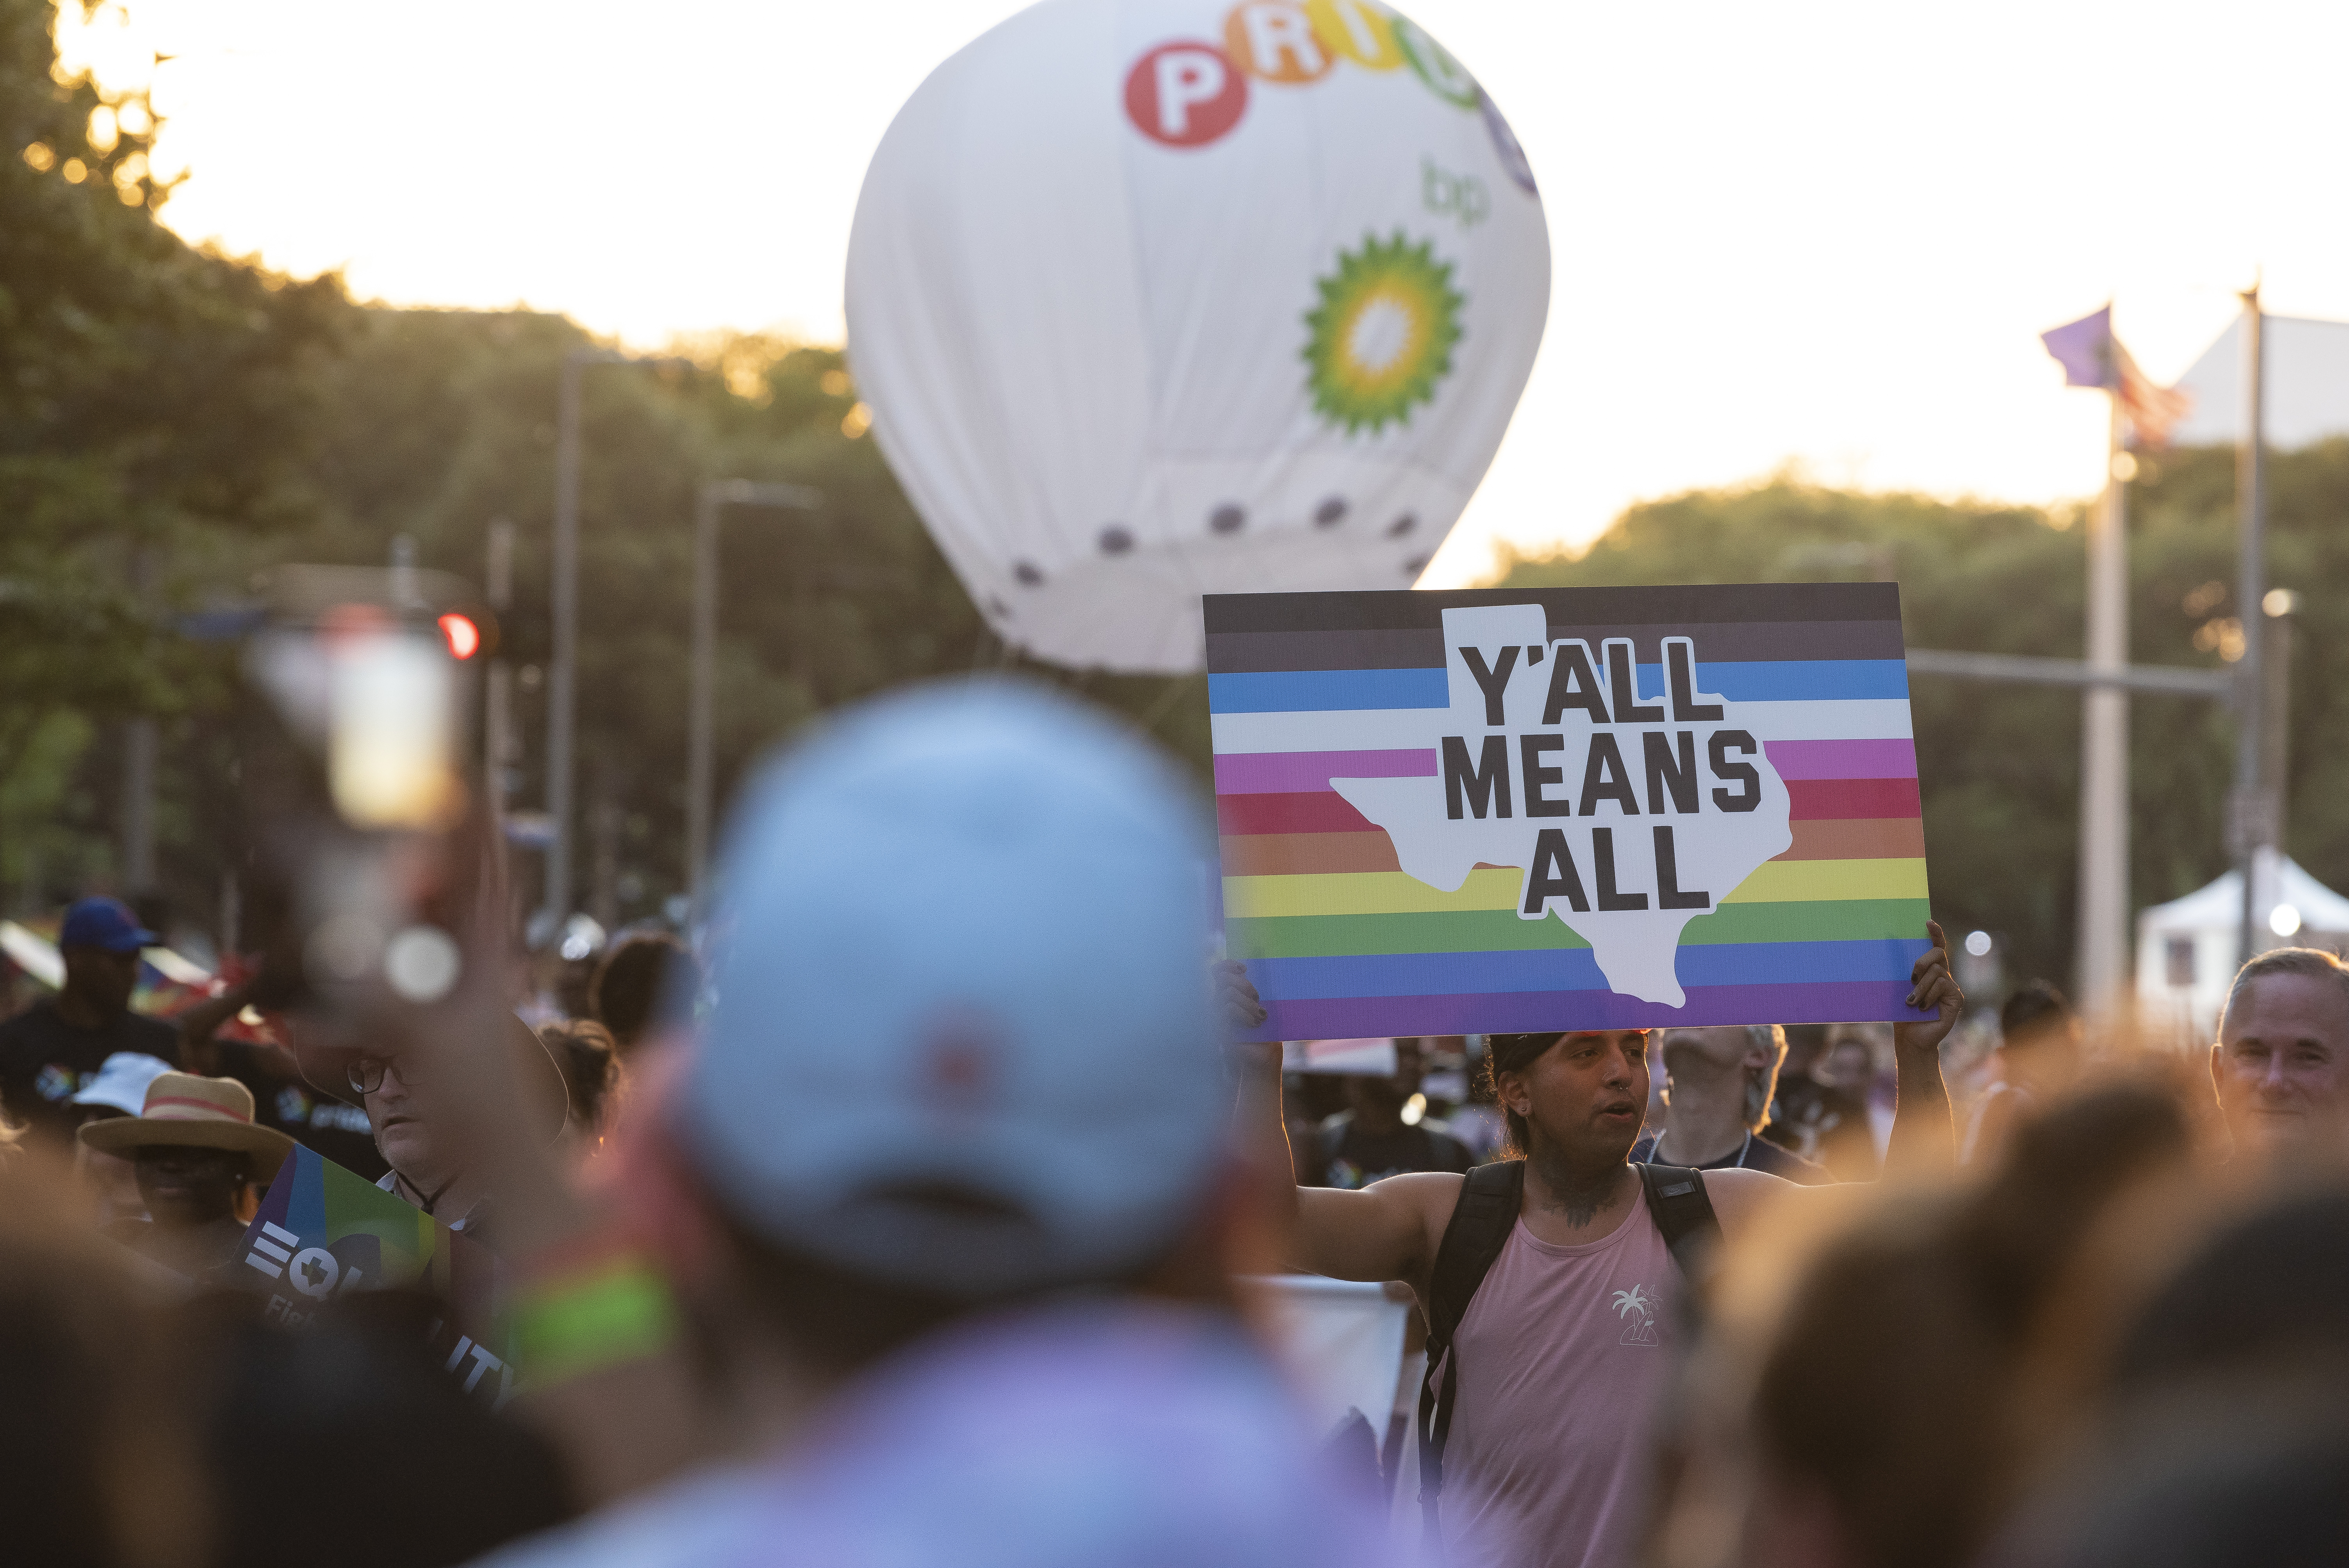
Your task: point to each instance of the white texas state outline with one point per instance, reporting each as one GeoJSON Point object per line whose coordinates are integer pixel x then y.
{"type": "Point", "coordinates": [1628, 881]}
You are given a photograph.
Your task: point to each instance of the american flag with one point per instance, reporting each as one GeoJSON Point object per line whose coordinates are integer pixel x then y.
{"type": "Point", "coordinates": [2092, 355]}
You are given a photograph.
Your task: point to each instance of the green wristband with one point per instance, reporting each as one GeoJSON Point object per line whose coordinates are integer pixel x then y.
{"type": "Point", "coordinates": [567, 1329]}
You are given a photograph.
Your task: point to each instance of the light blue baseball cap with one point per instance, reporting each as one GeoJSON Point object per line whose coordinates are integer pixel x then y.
{"type": "Point", "coordinates": [963, 1034]}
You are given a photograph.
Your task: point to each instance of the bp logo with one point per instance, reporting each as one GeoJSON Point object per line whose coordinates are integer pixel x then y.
{"type": "Point", "coordinates": [1383, 334]}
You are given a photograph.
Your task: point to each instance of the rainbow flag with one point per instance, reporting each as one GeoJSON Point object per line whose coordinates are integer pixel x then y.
{"type": "Point", "coordinates": [1567, 808]}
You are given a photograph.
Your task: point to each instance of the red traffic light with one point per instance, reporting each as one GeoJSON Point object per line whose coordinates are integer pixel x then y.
{"type": "Point", "coordinates": [463, 633]}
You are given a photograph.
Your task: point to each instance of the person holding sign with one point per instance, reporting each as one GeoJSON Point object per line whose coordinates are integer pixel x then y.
{"type": "Point", "coordinates": [196, 1150]}
{"type": "Point", "coordinates": [1550, 1281]}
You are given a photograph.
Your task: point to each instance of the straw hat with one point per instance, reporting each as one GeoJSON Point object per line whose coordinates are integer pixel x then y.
{"type": "Point", "coordinates": [190, 1112]}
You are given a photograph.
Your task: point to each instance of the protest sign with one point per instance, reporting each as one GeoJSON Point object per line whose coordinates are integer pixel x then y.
{"type": "Point", "coordinates": [322, 1231]}
{"type": "Point", "coordinates": [1504, 810]}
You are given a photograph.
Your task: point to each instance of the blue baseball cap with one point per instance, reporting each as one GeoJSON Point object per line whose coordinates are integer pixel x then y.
{"type": "Point", "coordinates": [105, 923]}
{"type": "Point", "coordinates": [963, 1034]}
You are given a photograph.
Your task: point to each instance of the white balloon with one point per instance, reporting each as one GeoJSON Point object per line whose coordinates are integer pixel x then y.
{"type": "Point", "coordinates": [1152, 298]}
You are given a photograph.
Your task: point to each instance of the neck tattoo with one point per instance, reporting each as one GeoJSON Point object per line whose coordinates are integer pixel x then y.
{"type": "Point", "coordinates": [1581, 1197]}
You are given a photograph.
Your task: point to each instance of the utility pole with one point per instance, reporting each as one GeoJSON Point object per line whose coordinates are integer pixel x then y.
{"type": "Point", "coordinates": [701, 784]}
{"type": "Point", "coordinates": [562, 685]}
{"type": "Point", "coordinates": [501, 747]}
{"type": "Point", "coordinates": [2250, 816]}
{"type": "Point", "coordinates": [557, 902]}
{"type": "Point", "coordinates": [2103, 737]}
{"type": "Point", "coordinates": [2281, 606]}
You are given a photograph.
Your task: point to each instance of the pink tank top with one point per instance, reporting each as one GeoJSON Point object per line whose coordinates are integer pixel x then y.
{"type": "Point", "coordinates": [1563, 1358]}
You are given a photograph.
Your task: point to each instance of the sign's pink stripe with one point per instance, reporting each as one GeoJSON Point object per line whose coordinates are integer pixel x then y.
{"type": "Point", "coordinates": [1843, 759]}
{"type": "Point", "coordinates": [1295, 772]}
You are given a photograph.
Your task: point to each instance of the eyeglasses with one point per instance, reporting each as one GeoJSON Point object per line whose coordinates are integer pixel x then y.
{"type": "Point", "coordinates": [366, 1074]}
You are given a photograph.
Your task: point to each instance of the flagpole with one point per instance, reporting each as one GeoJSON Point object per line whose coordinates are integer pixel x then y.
{"type": "Point", "coordinates": [2103, 953]}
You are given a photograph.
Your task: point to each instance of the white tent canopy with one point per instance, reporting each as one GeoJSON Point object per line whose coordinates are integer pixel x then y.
{"type": "Point", "coordinates": [2307, 386]}
{"type": "Point", "coordinates": [2186, 949]}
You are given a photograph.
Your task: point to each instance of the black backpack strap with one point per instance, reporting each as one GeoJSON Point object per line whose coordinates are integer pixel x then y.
{"type": "Point", "coordinates": [1482, 1219]}
{"type": "Point", "coordinates": [1683, 1211]}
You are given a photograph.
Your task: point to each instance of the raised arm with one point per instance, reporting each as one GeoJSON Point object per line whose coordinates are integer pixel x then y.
{"type": "Point", "coordinates": [1924, 1133]}
{"type": "Point", "coordinates": [1386, 1231]}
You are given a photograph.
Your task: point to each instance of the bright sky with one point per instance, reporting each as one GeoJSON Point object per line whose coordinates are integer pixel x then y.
{"type": "Point", "coordinates": [1823, 231]}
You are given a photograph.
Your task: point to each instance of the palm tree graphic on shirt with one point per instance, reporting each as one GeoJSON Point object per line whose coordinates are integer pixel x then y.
{"type": "Point", "coordinates": [1642, 1331]}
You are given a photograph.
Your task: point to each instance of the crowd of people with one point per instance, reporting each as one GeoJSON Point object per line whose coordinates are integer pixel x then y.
{"type": "Point", "coordinates": [903, 1224]}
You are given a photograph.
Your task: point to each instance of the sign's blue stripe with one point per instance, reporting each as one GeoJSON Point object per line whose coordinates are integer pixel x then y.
{"type": "Point", "coordinates": [1575, 969]}
{"type": "Point", "coordinates": [1311, 691]}
{"type": "Point", "coordinates": [1783, 680]}
{"type": "Point", "coordinates": [1798, 680]}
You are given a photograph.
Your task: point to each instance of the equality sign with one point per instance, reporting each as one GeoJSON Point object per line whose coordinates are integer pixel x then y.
{"type": "Point", "coordinates": [322, 1231]}
{"type": "Point", "coordinates": [1504, 810]}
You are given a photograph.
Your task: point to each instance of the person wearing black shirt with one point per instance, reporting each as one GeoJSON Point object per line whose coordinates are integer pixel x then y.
{"type": "Point", "coordinates": [55, 1047]}
{"type": "Point", "coordinates": [1369, 1141]}
{"type": "Point", "coordinates": [1820, 1123]}
{"type": "Point", "coordinates": [1717, 1091]}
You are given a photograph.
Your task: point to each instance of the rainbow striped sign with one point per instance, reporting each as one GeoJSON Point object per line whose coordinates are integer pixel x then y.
{"type": "Point", "coordinates": [1566, 808]}
{"type": "Point", "coordinates": [322, 1231]}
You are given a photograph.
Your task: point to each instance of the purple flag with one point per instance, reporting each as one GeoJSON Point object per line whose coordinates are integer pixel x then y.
{"type": "Point", "coordinates": [2084, 349]}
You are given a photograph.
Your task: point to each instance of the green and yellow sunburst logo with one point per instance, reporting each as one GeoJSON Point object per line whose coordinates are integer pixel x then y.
{"type": "Point", "coordinates": [1383, 336]}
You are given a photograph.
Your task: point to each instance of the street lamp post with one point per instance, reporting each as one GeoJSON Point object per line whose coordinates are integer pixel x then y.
{"type": "Point", "coordinates": [2252, 814]}
{"type": "Point", "coordinates": [700, 788]}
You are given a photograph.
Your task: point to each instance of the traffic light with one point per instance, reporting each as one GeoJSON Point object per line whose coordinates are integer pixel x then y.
{"type": "Point", "coordinates": [471, 632]}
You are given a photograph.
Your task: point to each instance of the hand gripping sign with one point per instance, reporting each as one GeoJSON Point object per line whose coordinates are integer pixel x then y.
{"type": "Point", "coordinates": [1450, 814]}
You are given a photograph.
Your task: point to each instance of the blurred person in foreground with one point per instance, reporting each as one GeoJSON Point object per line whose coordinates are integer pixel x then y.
{"type": "Point", "coordinates": [1886, 1376]}
{"type": "Point", "coordinates": [96, 1466]}
{"type": "Point", "coordinates": [2038, 1058]}
{"type": "Point", "coordinates": [979, 1313]}
{"type": "Point", "coordinates": [197, 1153]}
{"type": "Point", "coordinates": [1552, 1282]}
{"type": "Point", "coordinates": [1369, 1141]}
{"type": "Point", "coordinates": [2223, 1439]}
{"type": "Point", "coordinates": [2280, 1065]}
{"type": "Point", "coordinates": [1718, 1085]}
{"type": "Point", "coordinates": [57, 1045]}
{"type": "Point", "coordinates": [346, 1443]}
{"type": "Point", "coordinates": [637, 976]}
